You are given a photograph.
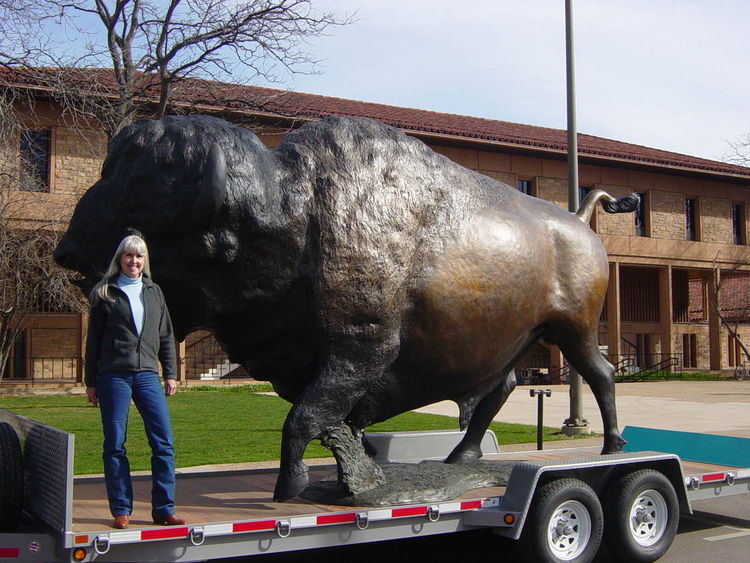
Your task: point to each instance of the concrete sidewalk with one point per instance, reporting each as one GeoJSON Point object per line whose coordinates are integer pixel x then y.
{"type": "Point", "coordinates": [715, 407]}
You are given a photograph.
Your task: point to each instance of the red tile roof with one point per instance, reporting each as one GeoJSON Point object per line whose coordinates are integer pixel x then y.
{"type": "Point", "coordinates": [242, 98]}
{"type": "Point", "coordinates": [734, 298]}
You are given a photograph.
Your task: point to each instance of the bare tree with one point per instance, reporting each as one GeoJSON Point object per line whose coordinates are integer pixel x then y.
{"type": "Point", "coordinates": [105, 62]}
{"type": "Point", "coordinates": [717, 300]}
{"type": "Point", "coordinates": [30, 281]}
{"type": "Point", "coordinates": [150, 45]}
{"type": "Point", "coordinates": [20, 40]}
{"type": "Point", "coordinates": [739, 152]}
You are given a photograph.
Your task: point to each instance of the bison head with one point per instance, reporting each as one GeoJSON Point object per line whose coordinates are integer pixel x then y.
{"type": "Point", "coordinates": [169, 180]}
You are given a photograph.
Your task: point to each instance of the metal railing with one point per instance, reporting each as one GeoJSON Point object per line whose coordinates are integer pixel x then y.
{"type": "Point", "coordinates": [542, 376]}
{"type": "Point", "coordinates": [628, 367]}
{"type": "Point", "coordinates": [42, 369]}
{"type": "Point", "coordinates": [206, 360]}
{"type": "Point", "coordinates": [210, 367]}
{"type": "Point", "coordinates": [660, 367]}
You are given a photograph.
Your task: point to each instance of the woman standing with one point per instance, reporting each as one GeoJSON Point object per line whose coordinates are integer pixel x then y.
{"type": "Point", "coordinates": [129, 333]}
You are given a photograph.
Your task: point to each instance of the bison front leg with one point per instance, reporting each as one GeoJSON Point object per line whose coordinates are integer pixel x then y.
{"type": "Point", "coordinates": [322, 407]}
{"type": "Point", "coordinates": [293, 477]}
{"type": "Point", "coordinates": [317, 412]}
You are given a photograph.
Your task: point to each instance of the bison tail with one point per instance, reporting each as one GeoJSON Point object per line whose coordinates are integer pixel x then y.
{"type": "Point", "coordinates": [626, 204]}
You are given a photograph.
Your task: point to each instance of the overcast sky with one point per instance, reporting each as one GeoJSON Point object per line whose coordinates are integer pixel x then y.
{"type": "Point", "coordinates": [669, 74]}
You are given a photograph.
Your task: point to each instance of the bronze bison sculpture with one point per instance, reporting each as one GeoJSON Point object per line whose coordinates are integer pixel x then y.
{"type": "Point", "coordinates": [358, 271]}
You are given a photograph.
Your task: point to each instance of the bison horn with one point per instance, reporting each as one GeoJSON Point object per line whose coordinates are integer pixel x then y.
{"type": "Point", "coordinates": [212, 187]}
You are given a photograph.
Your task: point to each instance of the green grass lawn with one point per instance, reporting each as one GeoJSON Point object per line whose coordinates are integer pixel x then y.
{"type": "Point", "coordinates": [216, 425]}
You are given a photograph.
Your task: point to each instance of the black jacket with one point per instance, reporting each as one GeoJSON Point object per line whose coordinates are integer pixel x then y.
{"type": "Point", "coordinates": [113, 344]}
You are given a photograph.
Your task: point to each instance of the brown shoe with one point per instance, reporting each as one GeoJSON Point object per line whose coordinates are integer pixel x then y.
{"type": "Point", "coordinates": [121, 521]}
{"type": "Point", "coordinates": [169, 520]}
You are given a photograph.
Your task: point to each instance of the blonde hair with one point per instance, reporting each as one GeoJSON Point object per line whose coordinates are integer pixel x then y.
{"type": "Point", "coordinates": [131, 243]}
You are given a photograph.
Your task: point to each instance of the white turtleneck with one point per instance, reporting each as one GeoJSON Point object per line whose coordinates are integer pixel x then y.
{"type": "Point", "coordinates": [133, 289]}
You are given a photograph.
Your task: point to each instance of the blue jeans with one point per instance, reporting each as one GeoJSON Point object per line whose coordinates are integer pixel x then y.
{"type": "Point", "coordinates": [114, 391]}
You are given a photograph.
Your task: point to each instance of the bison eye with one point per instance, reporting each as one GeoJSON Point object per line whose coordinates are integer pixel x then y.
{"type": "Point", "coordinates": [222, 245]}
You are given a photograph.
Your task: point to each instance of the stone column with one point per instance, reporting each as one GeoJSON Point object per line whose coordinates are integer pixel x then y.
{"type": "Point", "coordinates": [614, 334]}
{"type": "Point", "coordinates": [665, 310]}
{"type": "Point", "coordinates": [555, 361]}
{"type": "Point", "coordinates": [181, 372]}
{"type": "Point", "coordinates": [714, 322]}
{"type": "Point", "coordinates": [80, 346]}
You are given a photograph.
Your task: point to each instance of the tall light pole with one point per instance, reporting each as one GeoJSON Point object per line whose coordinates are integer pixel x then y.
{"type": "Point", "coordinates": [575, 423]}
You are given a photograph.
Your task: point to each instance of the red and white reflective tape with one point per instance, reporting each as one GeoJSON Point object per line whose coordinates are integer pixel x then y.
{"type": "Point", "coordinates": [713, 477]}
{"type": "Point", "coordinates": [694, 482]}
{"type": "Point", "coordinates": [361, 519]}
{"type": "Point", "coordinates": [151, 534]}
{"type": "Point", "coordinates": [318, 520]}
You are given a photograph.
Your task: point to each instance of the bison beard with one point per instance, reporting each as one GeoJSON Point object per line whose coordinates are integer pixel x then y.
{"type": "Point", "coordinates": [361, 273]}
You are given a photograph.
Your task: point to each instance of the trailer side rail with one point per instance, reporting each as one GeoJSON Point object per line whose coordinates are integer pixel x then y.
{"type": "Point", "coordinates": [718, 484]}
{"type": "Point", "coordinates": [275, 531]}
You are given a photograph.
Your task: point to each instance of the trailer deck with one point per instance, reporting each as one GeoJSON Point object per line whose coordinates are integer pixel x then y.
{"type": "Point", "coordinates": [246, 494]}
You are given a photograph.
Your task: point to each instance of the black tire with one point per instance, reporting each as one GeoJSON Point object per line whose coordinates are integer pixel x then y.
{"type": "Point", "coordinates": [11, 478]}
{"type": "Point", "coordinates": [641, 516]}
{"type": "Point", "coordinates": [739, 373]}
{"type": "Point", "coordinates": [580, 523]}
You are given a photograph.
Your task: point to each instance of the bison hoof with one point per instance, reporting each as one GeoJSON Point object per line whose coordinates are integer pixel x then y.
{"type": "Point", "coordinates": [287, 488]}
{"type": "Point", "coordinates": [463, 456]}
{"type": "Point", "coordinates": [613, 445]}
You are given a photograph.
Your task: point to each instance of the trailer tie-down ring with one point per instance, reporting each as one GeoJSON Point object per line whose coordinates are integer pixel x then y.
{"type": "Point", "coordinates": [433, 513]}
{"type": "Point", "coordinates": [362, 520]}
{"type": "Point", "coordinates": [283, 528]}
{"type": "Point", "coordinates": [102, 541]}
{"type": "Point", "coordinates": [197, 536]}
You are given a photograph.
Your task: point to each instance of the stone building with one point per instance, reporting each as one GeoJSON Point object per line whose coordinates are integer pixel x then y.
{"type": "Point", "coordinates": [667, 262]}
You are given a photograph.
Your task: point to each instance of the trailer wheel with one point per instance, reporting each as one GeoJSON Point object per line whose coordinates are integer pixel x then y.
{"type": "Point", "coordinates": [642, 513]}
{"type": "Point", "coordinates": [565, 523]}
{"type": "Point", "coordinates": [11, 478]}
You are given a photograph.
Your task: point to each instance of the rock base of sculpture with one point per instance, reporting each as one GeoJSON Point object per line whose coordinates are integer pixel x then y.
{"type": "Point", "coordinates": [408, 483]}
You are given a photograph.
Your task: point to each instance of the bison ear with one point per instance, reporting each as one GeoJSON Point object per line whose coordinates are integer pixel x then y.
{"type": "Point", "coordinates": [212, 187]}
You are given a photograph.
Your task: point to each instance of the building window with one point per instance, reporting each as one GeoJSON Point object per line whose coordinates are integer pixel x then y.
{"type": "Point", "coordinates": [35, 160]}
{"type": "Point", "coordinates": [582, 193]}
{"type": "Point", "coordinates": [734, 351]}
{"type": "Point", "coordinates": [643, 347]}
{"type": "Point", "coordinates": [738, 223]}
{"type": "Point", "coordinates": [639, 295]}
{"type": "Point", "coordinates": [640, 217]}
{"type": "Point", "coordinates": [524, 186]}
{"type": "Point", "coordinates": [691, 222]}
{"type": "Point", "coordinates": [689, 351]}
{"type": "Point", "coordinates": [16, 367]}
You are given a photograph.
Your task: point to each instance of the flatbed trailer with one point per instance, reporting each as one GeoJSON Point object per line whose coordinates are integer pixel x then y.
{"type": "Point", "coordinates": [558, 503]}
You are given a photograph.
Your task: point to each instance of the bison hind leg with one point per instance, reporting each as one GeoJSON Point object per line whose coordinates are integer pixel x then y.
{"type": "Point", "coordinates": [470, 447]}
{"type": "Point", "coordinates": [466, 408]}
{"type": "Point", "coordinates": [584, 355]}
